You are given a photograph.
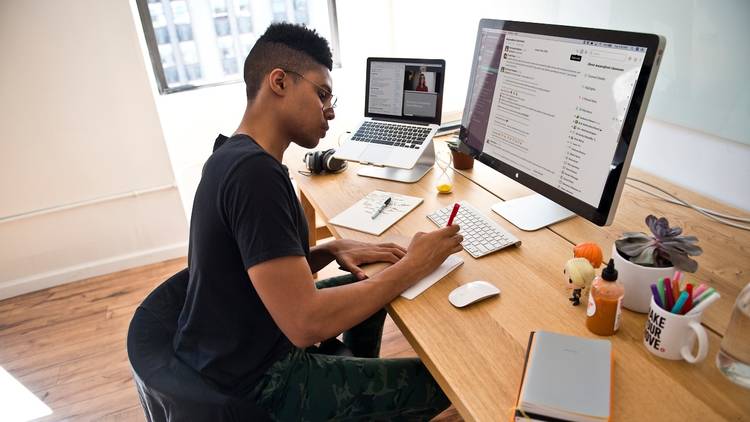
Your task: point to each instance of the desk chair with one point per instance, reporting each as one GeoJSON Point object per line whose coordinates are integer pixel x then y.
{"type": "Point", "coordinates": [168, 389]}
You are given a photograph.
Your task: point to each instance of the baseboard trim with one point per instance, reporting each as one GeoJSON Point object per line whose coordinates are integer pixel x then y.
{"type": "Point", "coordinates": [49, 279]}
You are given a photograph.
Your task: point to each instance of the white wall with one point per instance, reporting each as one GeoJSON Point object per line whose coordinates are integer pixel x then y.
{"type": "Point", "coordinates": [447, 29]}
{"type": "Point", "coordinates": [78, 123]}
{"type": "Point", "coordinates": [715, 167]}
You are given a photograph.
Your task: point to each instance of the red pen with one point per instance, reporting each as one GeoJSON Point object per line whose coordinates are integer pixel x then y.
{"type": "Point", "coordinates": [456, 206]}
{"type": "Point", "coordinates": [689, 303]}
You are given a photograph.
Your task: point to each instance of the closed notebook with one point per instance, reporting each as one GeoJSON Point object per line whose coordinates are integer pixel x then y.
{"type": "Point", "coordinates": [566, 378]}
{"type": "Point", "coordinates": [359, 216]}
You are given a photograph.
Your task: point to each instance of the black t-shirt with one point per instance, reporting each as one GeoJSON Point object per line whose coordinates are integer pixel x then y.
{"type": "Point", "coordinates": [245, 212]}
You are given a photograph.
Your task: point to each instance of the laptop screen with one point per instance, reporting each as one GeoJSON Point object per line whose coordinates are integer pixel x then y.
{"type": "Point", "coordinates": [405, 90]}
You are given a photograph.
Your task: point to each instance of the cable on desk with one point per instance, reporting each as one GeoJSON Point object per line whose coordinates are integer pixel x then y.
{"type": "Point", "coordinates": [684, 203]}
{"type": "Point", "coordinates": [714, 215]}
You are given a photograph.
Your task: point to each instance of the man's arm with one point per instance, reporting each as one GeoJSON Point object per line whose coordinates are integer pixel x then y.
{"type": "Point", "coordinates": [320, 256]}
{"type": "Point", "coordinates": [350, 254]}
{"type": "Point", "coordinates": [307, 315]}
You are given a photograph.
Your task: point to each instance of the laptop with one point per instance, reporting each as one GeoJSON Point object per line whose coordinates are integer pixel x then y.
{"type": "Point", "coordinates": [403, 106]}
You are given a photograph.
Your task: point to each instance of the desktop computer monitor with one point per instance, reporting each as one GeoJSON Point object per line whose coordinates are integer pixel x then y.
{"type": "Point", "coordinates": [558, 109]}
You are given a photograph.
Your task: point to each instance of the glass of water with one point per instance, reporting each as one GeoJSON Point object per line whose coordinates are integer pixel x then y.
{"type": "Point", "coordinates": [733, 358]}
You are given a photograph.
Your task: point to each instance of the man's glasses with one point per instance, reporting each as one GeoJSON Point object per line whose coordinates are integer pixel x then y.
{"type": "Point", "coordinates": [328, 99]}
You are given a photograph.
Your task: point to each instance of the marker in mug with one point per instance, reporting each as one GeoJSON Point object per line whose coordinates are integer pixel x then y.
{"type": "Point", "coordinates": [680, 303]}
{"type": "Point", "coordinates": [689, 303]}
{"type": "Point", "coordinates": [668, 295]}
{"type": "Point", "coordinates": [456, 206]}
{"type": "Point", "coordinates": [660, 287]}
{"type": "Point", "coordinates": [705, 295]}
{"type": "Point", "coordinates": [704, 304]}
{"type": "Point", "coordinates": [655, 292]}
{"type": "Point", "coordinates": [700, 289]}
{"type": "Point", "coordinates": [678, 277]}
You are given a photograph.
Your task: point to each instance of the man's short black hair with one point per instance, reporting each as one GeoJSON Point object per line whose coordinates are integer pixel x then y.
{"type": "Point", "coordinates": [287, 46]}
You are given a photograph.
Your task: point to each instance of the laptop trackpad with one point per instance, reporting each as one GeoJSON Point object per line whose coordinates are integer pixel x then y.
{"type": "Point", "coordinates": [377, 154]}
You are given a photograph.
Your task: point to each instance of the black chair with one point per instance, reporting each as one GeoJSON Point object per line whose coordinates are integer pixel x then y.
{"type": "Point", "coordinates": [168, 389]}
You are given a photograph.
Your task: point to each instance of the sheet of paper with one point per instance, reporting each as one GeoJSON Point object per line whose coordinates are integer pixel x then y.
{"type": "Point", "coordinates": [450, 264]}
{"type": "Point", "coordinates": [359, 216]}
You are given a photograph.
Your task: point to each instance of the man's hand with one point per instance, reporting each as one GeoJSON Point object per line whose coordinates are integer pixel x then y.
{"type": "Point", "coordinates": [350, 254]}
{"type": "Point", "coordinates": [428, 250]}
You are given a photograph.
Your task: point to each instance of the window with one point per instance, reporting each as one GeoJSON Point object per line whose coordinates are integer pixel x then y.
{"type": "Point", "coordinates": [196, 43]}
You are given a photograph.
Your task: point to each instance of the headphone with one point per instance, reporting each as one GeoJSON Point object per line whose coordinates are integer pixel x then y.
{"type": "Point", "coordinates": [318, 162]}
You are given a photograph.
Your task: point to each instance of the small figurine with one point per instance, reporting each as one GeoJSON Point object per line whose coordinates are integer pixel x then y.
{"type": "Point", "coordinates": [580, 273]}
{"type": "Point", "coordinates": [590, 251]}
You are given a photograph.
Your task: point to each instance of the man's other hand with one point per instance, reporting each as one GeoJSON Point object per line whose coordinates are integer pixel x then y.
{"type": "Point", "coordinates": [350, 254]}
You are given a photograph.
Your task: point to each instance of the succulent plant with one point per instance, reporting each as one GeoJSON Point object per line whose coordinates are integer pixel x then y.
{"type": "Point", "coordinates": [452, 143]}
{"type": "Point", "coordinates": [665, 248]}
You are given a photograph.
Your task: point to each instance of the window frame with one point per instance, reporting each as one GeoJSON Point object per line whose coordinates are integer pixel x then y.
{"type": "Point", "coordinates": [153, 50]}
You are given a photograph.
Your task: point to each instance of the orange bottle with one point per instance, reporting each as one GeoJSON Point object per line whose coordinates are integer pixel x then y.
{"type": "Point", "coordinates": [605, 302]}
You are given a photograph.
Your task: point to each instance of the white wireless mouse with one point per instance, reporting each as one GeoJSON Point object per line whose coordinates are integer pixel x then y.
{"type": "Point", "coordinates": [472, 292]}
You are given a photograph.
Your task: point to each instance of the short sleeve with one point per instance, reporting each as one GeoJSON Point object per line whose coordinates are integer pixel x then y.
{"type": "Point", "coordinates": [257, 205]}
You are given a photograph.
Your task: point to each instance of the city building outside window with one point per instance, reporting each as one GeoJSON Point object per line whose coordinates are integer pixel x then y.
{"type": "Point", "coordinates": [197, 43]}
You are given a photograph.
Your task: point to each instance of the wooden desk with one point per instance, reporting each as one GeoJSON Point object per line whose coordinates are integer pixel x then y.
{"type": "Point", "coordinates": [724, 264]}
{"type": "Point", "coordinates": [477, 353]}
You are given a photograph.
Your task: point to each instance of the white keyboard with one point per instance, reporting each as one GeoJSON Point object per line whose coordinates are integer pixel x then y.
{"type": "Point", "coordinates": [482, 236]}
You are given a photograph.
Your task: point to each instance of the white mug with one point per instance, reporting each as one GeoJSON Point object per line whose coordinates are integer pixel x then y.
{"type": "Point", "coordinates": [672, 336]}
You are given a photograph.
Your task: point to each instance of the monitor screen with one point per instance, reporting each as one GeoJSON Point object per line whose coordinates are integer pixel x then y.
{"type": "Point", "coordinates": [404, 89]}
{"type": "Point", "coordinates": [556, 108]}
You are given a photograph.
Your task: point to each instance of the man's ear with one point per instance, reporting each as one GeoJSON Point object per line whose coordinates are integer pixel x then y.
{"type": "Point", "coordinates": [276, 81]}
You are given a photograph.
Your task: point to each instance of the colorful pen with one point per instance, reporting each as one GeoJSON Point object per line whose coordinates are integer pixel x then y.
{"type": "Point", "coordinates": [677, 276]}
{"type": "Point", "coordinates": [689, 303]}
{"type": "Point", "coordinates": [655, 292]}
{"type": "Point", "coordinates": [697, 292]}
{"type": "Point", "coordinates": [456, 206]}
{"type": "Point", "coordinates": [675, 289]}
{"type": "Point", "coordinates": [669, 302]}
{"type": "Point", "coordinates": [704, 304]}
{"type": "Point", "coordinates": [660, 286]}
{"type": "Point", "coordinates": [680, 303]}
{"type": "Point", "coordinates": [705, 295]}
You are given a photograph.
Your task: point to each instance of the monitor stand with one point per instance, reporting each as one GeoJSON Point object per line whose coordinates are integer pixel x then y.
{"type": "Point", "coordinates": [412, 175]}
{"type": "Point", "coordinates": [532, 212]}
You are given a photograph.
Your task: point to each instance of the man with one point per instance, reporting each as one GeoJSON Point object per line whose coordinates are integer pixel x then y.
{"type": "Point", "coordinates": [253, 313]}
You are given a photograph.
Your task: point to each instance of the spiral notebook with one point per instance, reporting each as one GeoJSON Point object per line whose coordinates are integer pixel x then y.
{"type": "Point", "coordinates": [360, 215]}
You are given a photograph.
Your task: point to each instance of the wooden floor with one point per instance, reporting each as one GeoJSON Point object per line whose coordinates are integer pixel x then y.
{"type": "Point", "coordinates": [67, 344]}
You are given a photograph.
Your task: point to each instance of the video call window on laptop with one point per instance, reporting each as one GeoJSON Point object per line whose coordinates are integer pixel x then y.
{"type": "Point", "coordinates": [404, 89]}
{"type": "Point", "coordinates": [403, 108]}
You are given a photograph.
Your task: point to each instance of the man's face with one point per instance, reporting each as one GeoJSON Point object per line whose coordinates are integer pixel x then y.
{"type": "Point", "coordinates": [310, 106]}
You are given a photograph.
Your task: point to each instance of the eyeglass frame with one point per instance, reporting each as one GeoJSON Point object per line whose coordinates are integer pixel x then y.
{"type": "Point", "coordinates": [332, 98]}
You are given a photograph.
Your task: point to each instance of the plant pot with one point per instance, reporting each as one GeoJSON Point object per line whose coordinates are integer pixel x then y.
{"type": "Point", "coordinates": [462, 161]}
{"type": "Point", "coordinates": [637, 281]}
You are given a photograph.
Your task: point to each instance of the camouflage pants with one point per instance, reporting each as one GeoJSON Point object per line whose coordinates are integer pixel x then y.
{"type": "Point", "coordinates": [308, 385]}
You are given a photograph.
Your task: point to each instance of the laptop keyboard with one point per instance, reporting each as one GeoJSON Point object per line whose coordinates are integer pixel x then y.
{"type": "Point", "coordinates": [482, 236]}
{"type": "Point", "coordinates": [391, 134]}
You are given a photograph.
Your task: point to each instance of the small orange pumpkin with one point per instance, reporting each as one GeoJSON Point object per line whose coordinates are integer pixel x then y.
{"type": "Point", "coordinates": [590, 251]}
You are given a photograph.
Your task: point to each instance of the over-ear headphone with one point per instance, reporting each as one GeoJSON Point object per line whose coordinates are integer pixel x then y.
{"type": "Point", "coordinates": [318, 162]}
